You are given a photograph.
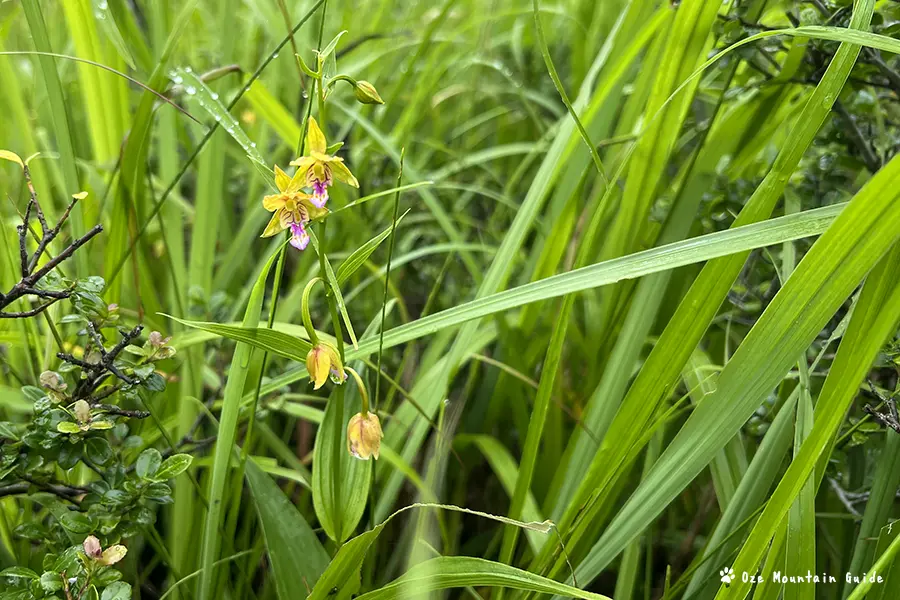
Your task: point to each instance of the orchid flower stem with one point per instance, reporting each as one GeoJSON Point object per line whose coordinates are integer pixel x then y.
{"type": "Point", "coordinates": [362, 390]}
{"type": "Point", "coordinates": [304, 311]}
{"type": "Point", "coordinates": [336, 78]}
{"type": "Point", "coordinates": [332, 302]}
{"type": "Point", "coordinates": [320, 90]}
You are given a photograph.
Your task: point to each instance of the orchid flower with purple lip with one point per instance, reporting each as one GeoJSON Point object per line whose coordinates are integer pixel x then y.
{"type": "Point", "coordinates": [293, 208]}
{"type": "Point", "coordinates": [321, 169]}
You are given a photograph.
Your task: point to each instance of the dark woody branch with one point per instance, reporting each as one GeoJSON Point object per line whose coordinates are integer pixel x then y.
{"type": "Point", "coordinates": [31, 275]}
{"type": "Point", "coordinates": [98, 371]}
{"type": "Point", "coordinates": [891, 419]}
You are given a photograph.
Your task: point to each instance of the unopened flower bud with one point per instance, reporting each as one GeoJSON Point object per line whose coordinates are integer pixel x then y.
{"type": "Point", "coordinates": [82, 411]}
{"type": "Point", "coordinates": [364, 435]}
{"type": "Point", "coordinates": [92, 547]}
{"type": "Point", "coordinates": [366, 93]}
{"type": "Point", "coordinates": [110, 556]}
{"type": "Point", "coordinates": [53, 381]}
{"type": "Point", "coordinates": [323, 361]}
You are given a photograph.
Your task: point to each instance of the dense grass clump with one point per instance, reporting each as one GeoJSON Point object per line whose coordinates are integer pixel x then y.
{"type": "Point", "coordinates": [490, 299]}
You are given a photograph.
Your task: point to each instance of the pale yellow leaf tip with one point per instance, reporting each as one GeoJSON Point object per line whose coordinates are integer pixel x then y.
{"type": "Point", "coordinates": [80, 195]}
{"type": "Point", "coordinates": [12, 156]}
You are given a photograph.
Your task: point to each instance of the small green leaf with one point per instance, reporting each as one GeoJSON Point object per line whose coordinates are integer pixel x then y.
{"type": "Point", "coordinates": [19, 572]}
{"type": "Point", "coordinates": [7, 431]}
{"type": "Point", "coordinates": [117, 591]}
{"type": "Point", "coordinates": [74, 521]}
{"type": "Point", "coordinates": [335, 288]}
{"type": "Point", "coordinates": [155, 383]}
{"type": "Point", "coordinates": [12, 157]}
{"type": "Point", "coordinates": [174, 466]}
{"type": "Point", "coordinates": [33, 393]}
{"type": "Point", "coordinates": [158, 492]}
{"type": "Point", "coordinates": [331, 46]}
{"type": "Point", "coordinates": [98, 450]}
{"type": "Point", "coordinates": [148, 463]}
{"type": "Point", "coordinates": [68, 427]}
{"type": "Point", "coordinates": [51, 582]}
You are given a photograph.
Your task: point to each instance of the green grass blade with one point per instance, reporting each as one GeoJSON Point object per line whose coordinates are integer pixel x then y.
{"type": "Point", "coordinates": [461, 571]}
{"type": "Point", "coordinates": [224, 448]}
{"type": "Point", "coordinates": [297, 558]}
{"type": "Point", "coordinates": [829, 272]}
{"type": "Point", "coordinates": [874, 318]}
{"type": "Point", "coordinates": [697, 309]}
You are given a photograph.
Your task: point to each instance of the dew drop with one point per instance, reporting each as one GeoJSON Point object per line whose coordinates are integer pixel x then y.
{"type": "Point", "coordinates": [188, 70]}
{"type": "Point", "coordinates": [215, 96]}
{"type": "Point", "coordinates": [191, 90]}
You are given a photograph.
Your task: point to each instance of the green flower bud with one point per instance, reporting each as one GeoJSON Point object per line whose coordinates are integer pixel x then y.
{"type": "Point", "coordinates": [53, 381]}
{"type": "Point", "coordinates": [366, 93]}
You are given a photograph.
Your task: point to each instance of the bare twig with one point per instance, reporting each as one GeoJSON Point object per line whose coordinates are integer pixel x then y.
{"type": "Point", "coordinates": [31, 275]}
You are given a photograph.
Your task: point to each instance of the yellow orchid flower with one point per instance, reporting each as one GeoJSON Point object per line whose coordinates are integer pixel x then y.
{"type": "Point", "coordinates": [293, 208]}
{"type": "Point", "coordinates": [321, 169]}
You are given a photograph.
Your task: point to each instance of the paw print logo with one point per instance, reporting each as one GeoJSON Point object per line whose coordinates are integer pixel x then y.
{"type": "Point", "coordinates": [727, 576]}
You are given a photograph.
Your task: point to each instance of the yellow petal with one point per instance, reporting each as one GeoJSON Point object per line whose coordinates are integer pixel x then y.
{"type": "Point", "coordinates": [297, 181]}
{"type": "Point", "coordinates": [12, 156]}
{"type": "Point", "coordinates": [282, 179]}
{"type": "Point", "coordinates": [303, 164]}
{"type": "Point", "coordinates": [274, 225]}
{"type": "Point", "coordinates": [113, 554]}
{"type": "Point", "coordinates": [312, 210]}
{"type": "Point", "coordinates": [274, 202]}
{"type": "Point", "coordinates": [322, 367]}
{"type": "Point", "coordinates": [340, 172]}
{"type": "Point", "coordinates": [315, 139]}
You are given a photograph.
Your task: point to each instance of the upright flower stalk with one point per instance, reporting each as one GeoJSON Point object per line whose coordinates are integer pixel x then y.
{"type": "Point", "coordinates": [302, 199]}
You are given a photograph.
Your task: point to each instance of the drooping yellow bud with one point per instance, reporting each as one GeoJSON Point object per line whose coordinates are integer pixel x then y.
{"type": "Point", "coordinates": [323, 361]}
{"type": "Point", "coordinates": [364, 436]}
